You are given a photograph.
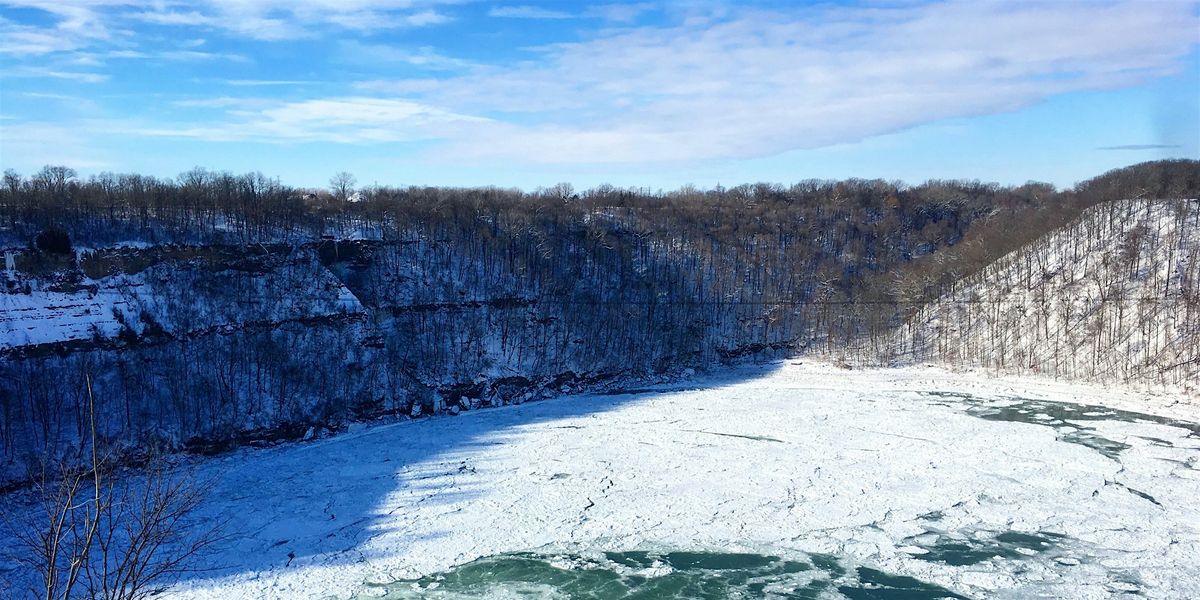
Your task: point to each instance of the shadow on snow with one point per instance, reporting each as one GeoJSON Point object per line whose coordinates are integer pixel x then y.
{"type": "Point", "coordinates": [319, 502]}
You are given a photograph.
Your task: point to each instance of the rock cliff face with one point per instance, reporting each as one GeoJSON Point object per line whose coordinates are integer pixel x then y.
{"type": "Point", "coordinates": [206, 347]}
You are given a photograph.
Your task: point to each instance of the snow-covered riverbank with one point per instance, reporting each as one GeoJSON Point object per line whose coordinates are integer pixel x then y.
{"type": "Point", "coordinates": [918, 471]}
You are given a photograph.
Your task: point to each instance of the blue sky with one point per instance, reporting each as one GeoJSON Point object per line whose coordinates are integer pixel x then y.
{"type": "Point", "coordinates": [527, 94]}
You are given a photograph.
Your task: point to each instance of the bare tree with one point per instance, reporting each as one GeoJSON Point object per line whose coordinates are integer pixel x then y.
{"type": "Point", "coordinates": [12, 181]}
{"type": "Point", "coordinates": [342, 185]}
{"type": "Point", "coordinates": [95, 534]}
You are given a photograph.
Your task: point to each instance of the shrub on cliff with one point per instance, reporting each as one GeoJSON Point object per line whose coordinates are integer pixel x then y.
{"type": "Point", "coordinates": [54, 240]}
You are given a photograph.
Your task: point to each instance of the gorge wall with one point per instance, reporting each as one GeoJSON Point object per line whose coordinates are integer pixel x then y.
{"type": "Point", "coordinates": [218, 310]}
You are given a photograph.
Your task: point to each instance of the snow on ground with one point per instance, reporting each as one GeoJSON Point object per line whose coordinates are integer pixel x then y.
{"type": "Point", "coordinates": [45, 316]}
{"type": "Point", "coordinates": [180, 298]}
{"type": "Point", "coordinates": [1165, 401]}
{"type": "Point", "coordinates": [906, 470]}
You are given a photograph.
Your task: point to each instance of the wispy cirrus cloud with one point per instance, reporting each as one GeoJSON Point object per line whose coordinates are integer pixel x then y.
{"type": "Point", "coordinates": [84, 23]}
{"type": "Point", "coordinates": [76, 24]}
{"type": "Point", "coordinates": [528, 12]}
{"type": "Point", "coordinates": [167, 55]}
{"type": "Point", "coordinates": [346, 120]}
{"type": "Point", "coordinates": [618, 13]}
{"type": "Point", "coordinates": [267, 82]}
{"type": "Point", "coordinates": [687, 84]}
{"type": "Point", "coordinates": [190, 18]}
{"type": "Point", "coordinates": [755, 83]}
{"type": "Point", "coordinates": [83, 19]}
{"type": "Point", "coordinates": [295, 19]}
{"type": "Point", "coordinates": [52, 73]}
{"type": "Point", "coordinates": [1141, 147]}
{"type": "Point", "coordinates": [20, 40]}
{"type": "Point", "coordinates": [424, 57]}
{"type": "Point", "coordinates": [224, 102]}
{"type": "Point", "coordinates": [28, 145]}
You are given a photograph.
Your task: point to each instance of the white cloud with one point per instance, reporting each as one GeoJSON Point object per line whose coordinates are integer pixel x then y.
{"type": "Point", "coordinates": [169, 55]}
{"type": "Point", "coordinates": [82, 18]}
{"type": "Point", "coordinates": [425, 57]}
{"type": "Point", "coordinates": [266, 82]}
{"type": "Point", "coordinates": [28, 41]}
{"type": "Point", "coordinates": [528, 12]}
{"type": "Point", "coordinates": [90, 20]}
{"type": "Point", "coordinates": [170, 17]}
{"type": "Point", "coordinates": [759, 83]}
{"type": "Point", "coordinates": [1141, 147]}
{"type": "Point", "coordinates": [224, 102]}
{"type": "Point", "coordinates": [27, 146]}
{"type": "Point", "coordinates": [292, 19]}
{"type": "Point", "coordinates": [81, 33]}
{"type": "Point", "coordinates": [76, 26]}
{"type": "Point", "coordinates": [48, 96]}
{"type": "Point", "coordinates": [619, 13]}
{"type": "Point", "coordinates": [425, 18]}
{"type": "Point", "coordinates": [724, 84]}
{"type": "Point", "coordinates": [74, 76]}
{"type": "Point", "coordinates": [349, 120]}
{"type": "Point", "coordinates": [51, 73]}
{"type": "Point", "coordinates": [183, 55]}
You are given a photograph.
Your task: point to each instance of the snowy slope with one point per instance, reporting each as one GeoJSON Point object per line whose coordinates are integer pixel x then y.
{"type": "Point", "coordinates": [180, 296]}
{"type": "Point", "coordinates": [1115, 296]}
{"type": "Point", "coordinates": [890, 468]}
{"type": "Point", "coordinates": [44, 317]}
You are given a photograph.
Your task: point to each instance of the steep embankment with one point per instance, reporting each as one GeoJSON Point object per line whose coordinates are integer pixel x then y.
{"type": "Point", "coordinates": [237, 317]}
{"type": "Point", "coordinates": [129, 295]}
{"type": "Point", "coordinates": [1113, 296]}
{"type": "Point", "coordinates": [208, 347]}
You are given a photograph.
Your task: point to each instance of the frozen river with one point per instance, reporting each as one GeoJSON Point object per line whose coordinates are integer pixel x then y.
{"type": "Point", "coordinates": [798, 481]}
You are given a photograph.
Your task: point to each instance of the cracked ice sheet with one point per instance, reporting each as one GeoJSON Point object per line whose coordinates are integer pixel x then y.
{"type": "Point", "coordinates": [850, 463]}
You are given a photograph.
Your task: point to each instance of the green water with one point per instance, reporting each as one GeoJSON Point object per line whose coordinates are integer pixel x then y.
{"type": "Point", "coordinates": [1069, 420]}
{"type": "Point", "coordinates": [956, 549]}
{"type": "Point", "coordinates": [667, 575]}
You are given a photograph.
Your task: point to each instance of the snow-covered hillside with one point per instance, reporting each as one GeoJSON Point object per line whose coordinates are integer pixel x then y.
{"type": "Point", "coordinates": [1114, 296]}
{"type": "Point", "coordinates": [174, 296]}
